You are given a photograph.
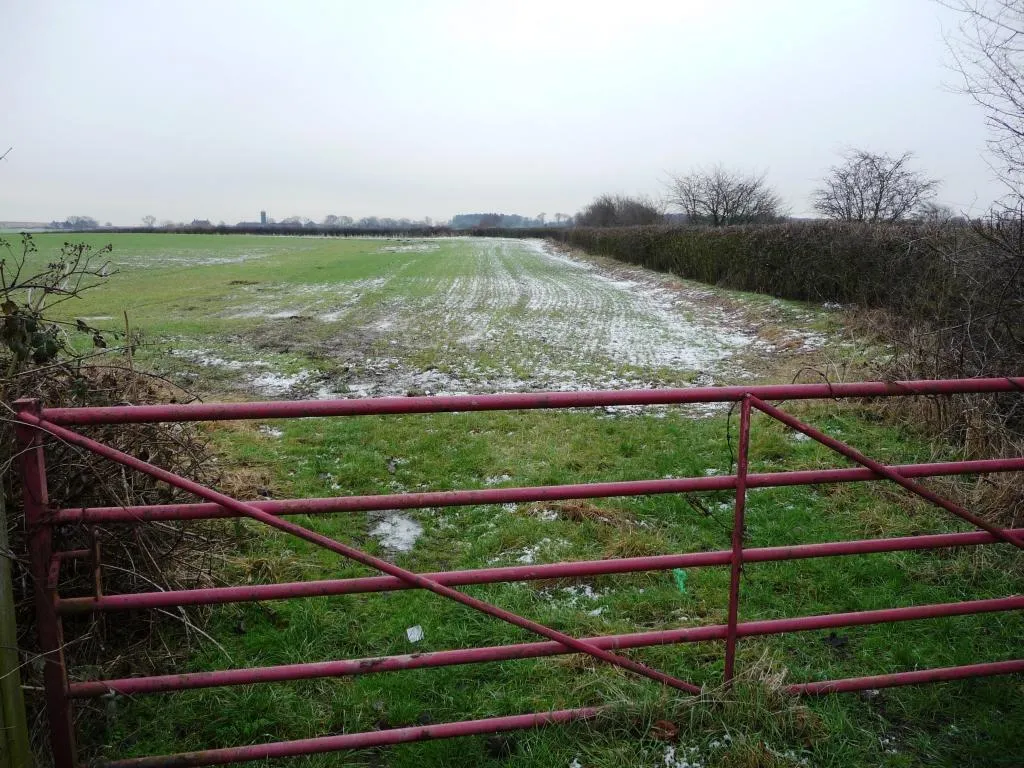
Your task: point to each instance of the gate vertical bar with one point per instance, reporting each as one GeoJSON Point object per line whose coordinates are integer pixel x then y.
{"type": "Point", "coordinates": [32, 466]}
{"type": "Point", "coordinates": [737, 540]}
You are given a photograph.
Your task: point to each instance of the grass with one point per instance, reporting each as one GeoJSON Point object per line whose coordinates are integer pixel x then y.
{"type": "Point", "coordinates": [973, 722]}
{"type": "Point", "coordinates": [380, 317]}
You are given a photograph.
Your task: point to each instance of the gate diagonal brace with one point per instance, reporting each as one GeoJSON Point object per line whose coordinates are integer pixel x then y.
{"type": "Point", "coordinates": [888, 472]}
{"type": "Point", "coordinates": [359, 556]}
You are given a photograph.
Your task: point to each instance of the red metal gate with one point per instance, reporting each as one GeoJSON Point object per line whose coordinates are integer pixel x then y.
{"type": "Point", "coordinates": [36, 422]}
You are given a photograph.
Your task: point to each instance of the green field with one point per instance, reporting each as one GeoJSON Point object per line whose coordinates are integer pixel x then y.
{"type": "Point", "coordinates": [252, 317]}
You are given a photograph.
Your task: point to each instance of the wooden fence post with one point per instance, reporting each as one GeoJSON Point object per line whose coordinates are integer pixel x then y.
{"type": "Point", "coordinates": [14, 745]}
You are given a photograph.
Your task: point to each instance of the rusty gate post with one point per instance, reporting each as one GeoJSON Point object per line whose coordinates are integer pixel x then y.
{"type": "Point", "coordinates": [737, 540]}
{"type": "Point", "coordinates": [14, 746]}
{"type": "Point", "coordinates": [32, 465]}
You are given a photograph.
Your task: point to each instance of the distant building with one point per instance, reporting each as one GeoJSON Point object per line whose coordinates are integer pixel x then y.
{"type": "Point", "coordinates": [263, 218]}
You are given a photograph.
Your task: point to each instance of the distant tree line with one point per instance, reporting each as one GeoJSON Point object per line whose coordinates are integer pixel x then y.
{"type": "Point", "coordinates": [508, 221]}
{"type": "Point", "coordinates": [279, 228]}
{"type": "Point", "coordinates": [865, 186]}
{"type": "Point", "coordinates": [75, 222]}
{"type": "Point", "coordinates": [331, 221]}
{"type": "Point", "coordinates": [620, 211]}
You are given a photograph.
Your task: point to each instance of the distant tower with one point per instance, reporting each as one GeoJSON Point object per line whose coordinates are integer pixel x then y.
{"type": "Point", "coordinates": [263, 217]}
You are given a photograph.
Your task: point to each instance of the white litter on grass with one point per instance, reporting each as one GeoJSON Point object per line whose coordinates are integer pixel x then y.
{"type": "Point", "coordinates": [397, 532]}
{"type": "Point", "coordinates": [271, 431]}
{"type": "Point", "coordinates": [496, 479]}
{"type": "Point", "coordinates": [575, 763]}
{"type": "Point", "coordinates": [799, 437]}
{"type": "Point", "coordinates": [415, 634]}
{"type": "Point", "coordinates": [547, 515]}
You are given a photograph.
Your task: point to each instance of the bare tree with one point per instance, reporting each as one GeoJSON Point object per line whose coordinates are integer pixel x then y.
{"type": "Point", "coordinates": [873, 187]}
{"type": "Point", "coordinates": [619, 211]}
{"type": "Point", "coordinates": [719, 196]}
{"type": "Point", "coordinates": [936, 213]}
{"type": "Point", "coordinates": [149, 221]}
{"type": "Point", "coordinates": [988, 53]}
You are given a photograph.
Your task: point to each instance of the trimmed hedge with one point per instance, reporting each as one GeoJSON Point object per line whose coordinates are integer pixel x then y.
{"type": "Point", "coordinates": [952, 296]}
{"type": "Point", "coordinates": [894, 266]}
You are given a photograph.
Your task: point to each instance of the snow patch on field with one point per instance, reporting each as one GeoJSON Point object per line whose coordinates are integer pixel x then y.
{"type": "Point", "coordinates": [425, 246]}
{"type": "Point", "coordinates": [329, 302]}
{"type": "Point", "coordinates": [582, 315]}
{"type": "Point", "coordinates": [397, 532]}
{"type": "Point", "coordinates": [276, 384]}
{"type": "Point", "coordinates": [509, 315]}
{"type": "Point", "coordinates": [208, 358]}
{"type": "Point", "coordinates": [186, 257]}
{"type": "Point", "coordinates": [256, 374]}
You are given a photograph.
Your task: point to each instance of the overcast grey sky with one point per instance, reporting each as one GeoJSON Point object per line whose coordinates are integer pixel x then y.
{"type": "Point", "coordinates": [216, 110]}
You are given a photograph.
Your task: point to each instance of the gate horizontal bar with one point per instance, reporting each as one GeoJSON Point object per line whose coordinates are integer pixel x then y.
{"type": "Point", "coordinates": [362, 740]}
{"type": "Point", "coordinates": [866, 461]}
{"type": "Point", "coordinates": [349, 552]}
{"type": "Point", "coordinates": [850, 684]}
{"type": "Point", "coordinates": [159, 512]}
{"type": "Point", "coordinates": [163, 683]}
{"type": "Point", "coordinates": [73, 554]}
{"type": "Point", "coordinates": [577, 569]}
{"type": "Point", "coordinates": [135, 414]}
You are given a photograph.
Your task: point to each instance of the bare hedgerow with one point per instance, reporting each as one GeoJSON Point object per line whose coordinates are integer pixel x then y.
{"type": "Point", "coordinates": [43, 357]}
{"type": "Point", "coordinates": [948, 299]}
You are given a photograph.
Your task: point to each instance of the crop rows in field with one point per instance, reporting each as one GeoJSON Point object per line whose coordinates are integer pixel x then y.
{"type": "Point", "coordinates": [459, 316]}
